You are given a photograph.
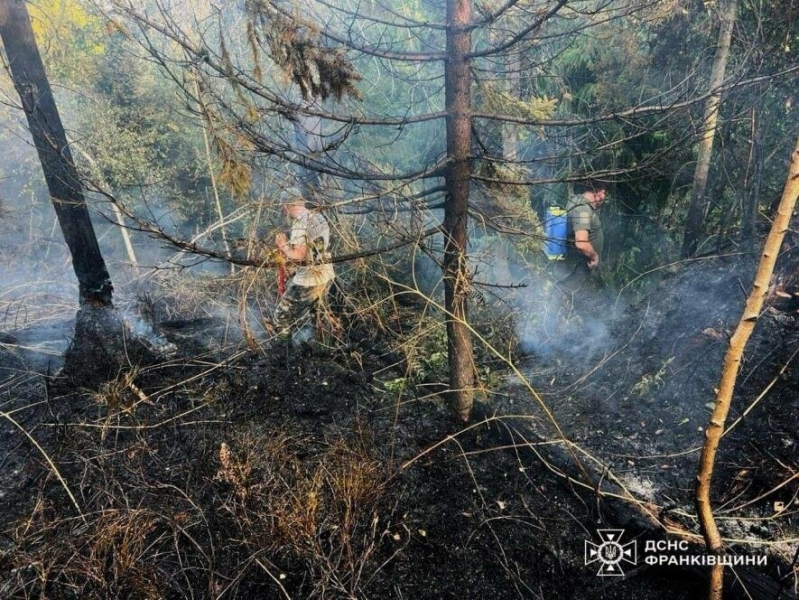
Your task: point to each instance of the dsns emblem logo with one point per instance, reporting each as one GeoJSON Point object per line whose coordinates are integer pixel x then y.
{"type": "Point", "coordinates": [610, 553]}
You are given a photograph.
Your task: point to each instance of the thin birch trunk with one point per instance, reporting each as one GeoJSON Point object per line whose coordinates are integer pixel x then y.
{"type": "Point", "coordinates": [117, 212]}
{"type": "Point", "coordinates": [732, 364]}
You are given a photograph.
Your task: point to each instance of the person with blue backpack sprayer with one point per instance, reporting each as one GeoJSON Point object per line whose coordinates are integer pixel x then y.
{"type": "Point", "coordinates": [575, 241]}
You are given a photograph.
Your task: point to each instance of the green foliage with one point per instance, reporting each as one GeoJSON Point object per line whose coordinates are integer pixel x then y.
{"type": "Point", "coordinates": [651, 382]}
{"type": "Point", "coordinates": [129, 124]}
{"type": "Point", "coordinates": [498, 101]}
{"type": "Point", "coordinates": [129, 121]}
{"type": "Point", "coordinates": [636, 249]}
{"type": "Point", "coordinates": [507, 206]}
{"type": "Point", "coordinates": [70, 37]}
{"type": "Point", "coordinates": [426, 356]}
{"type": "Point", "coordinates": [430, 362]}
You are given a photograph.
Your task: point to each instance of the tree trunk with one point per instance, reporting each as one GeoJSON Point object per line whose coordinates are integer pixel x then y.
{"type": "Point", "coordinates": [63, 182]}
{"type": "Point", "coordinates": [510, 131]}
{"type": "Point", "coordinates": [732, 363]}
{"type": "Point", "coordinates": [456, 276]}
{"type": "Point", "coordinates": [697, 208]}
{"type": "Point", "coordinates": [751, 198]}
{"type": "Point", "coordinates": [727, 210]}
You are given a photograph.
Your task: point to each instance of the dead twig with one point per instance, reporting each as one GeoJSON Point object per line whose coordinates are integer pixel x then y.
{"type": "Point", "coordinates": [50, 462]}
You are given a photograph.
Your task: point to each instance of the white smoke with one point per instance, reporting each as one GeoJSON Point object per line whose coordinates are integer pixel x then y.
{"type": "Point", "coordinates": [548, 326]}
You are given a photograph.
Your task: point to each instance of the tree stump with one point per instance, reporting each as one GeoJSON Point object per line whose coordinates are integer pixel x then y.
{"type": "Point", "coordinates": [102, 348]}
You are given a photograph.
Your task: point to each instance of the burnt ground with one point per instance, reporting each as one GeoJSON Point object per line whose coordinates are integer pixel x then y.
{"type": "Point", "coordinates": [640, 406]}
{"type": "Point", "coordinates": [225, 472]}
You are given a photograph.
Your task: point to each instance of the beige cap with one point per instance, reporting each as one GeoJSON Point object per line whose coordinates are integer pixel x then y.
{"type": "Point", "coordinates": [291, 195]}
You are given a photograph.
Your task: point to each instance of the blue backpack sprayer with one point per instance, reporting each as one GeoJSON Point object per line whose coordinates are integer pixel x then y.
{"type": "Point", "coordinates": [555, 230]}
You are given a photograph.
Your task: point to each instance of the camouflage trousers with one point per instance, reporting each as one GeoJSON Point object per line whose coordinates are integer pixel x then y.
{"type": "Point", "coordinates": [299, 309]}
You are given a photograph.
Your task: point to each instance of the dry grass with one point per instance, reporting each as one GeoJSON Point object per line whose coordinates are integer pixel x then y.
{"type": "Point", "coordinates": [182, 511]}
{"type": "Point", "coordinates": [323, 512]}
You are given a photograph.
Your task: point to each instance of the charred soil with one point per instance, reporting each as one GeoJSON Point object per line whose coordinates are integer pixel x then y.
{"type": "Point", "coordinates": [282, 472]}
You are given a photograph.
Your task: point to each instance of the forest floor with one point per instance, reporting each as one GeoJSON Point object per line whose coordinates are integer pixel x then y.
{"type": "Point", "coordinates": [226, 472]}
